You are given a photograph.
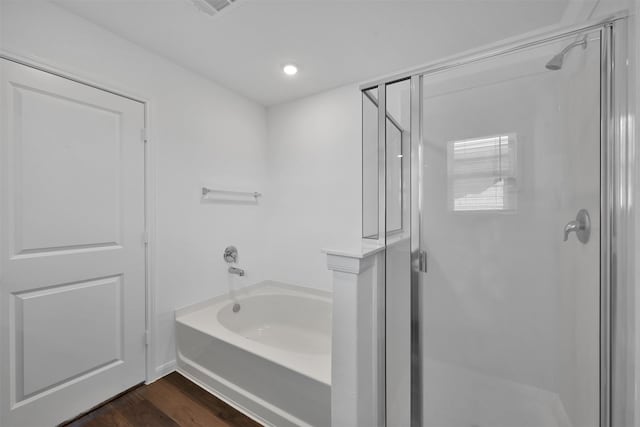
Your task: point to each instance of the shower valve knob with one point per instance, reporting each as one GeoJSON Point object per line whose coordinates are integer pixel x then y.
{"type": "Point", "coordinates": [581, 226]}
{"type": "Point", "coordinates": [231, 254]}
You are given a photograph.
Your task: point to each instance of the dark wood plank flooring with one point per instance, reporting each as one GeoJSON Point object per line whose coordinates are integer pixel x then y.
{"type": "Point", "coordinates": [171, 401]}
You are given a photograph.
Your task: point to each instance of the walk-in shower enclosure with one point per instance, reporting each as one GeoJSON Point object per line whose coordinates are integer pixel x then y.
{"type": "Point", "coordinates": [499, 183]}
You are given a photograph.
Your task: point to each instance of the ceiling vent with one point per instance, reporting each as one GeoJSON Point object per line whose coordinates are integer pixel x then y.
{"type": "Point", "coordinates": [211, 7]}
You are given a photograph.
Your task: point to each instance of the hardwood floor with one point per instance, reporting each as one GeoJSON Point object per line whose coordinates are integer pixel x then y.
{"type": "Point", "coordinates": [171, 401]}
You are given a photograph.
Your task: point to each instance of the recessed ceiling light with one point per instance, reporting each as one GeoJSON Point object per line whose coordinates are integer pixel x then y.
{"type": "Point", "coordinates": [290, 70]}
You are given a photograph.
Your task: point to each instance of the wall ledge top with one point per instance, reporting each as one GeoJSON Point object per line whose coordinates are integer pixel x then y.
{"type": "Point", "coordinates": [365, 250]}
{"type": "Point", "coordinates": [353, 260]}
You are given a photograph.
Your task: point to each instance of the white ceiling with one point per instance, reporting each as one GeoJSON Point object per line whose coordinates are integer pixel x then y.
{"type": "Point", "coordinates": [333, 42]}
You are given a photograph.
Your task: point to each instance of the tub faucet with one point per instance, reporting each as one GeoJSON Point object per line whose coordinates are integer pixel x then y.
{"type": "Point", "coordinates": [235, 270]}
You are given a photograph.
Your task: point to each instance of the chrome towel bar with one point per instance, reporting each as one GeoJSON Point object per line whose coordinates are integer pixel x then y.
{"type": "Point", "coordinates": [206, 191]}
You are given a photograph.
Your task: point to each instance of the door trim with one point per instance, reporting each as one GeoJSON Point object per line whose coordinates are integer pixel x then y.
{"type": "Point", "coordinates": [150, 187]}
{"type": "Point", "coordinates": [607, 218]}
{"type": "Point", "coordinates": [416, 250]}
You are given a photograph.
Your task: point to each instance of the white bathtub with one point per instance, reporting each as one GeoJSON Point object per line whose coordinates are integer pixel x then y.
{"type": "Point", "coordinates": [271, 359]}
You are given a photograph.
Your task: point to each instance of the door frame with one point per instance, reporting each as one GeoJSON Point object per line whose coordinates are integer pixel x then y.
{"type": "Point", "coordinates": [617, 188]}
{"type": "Point", "coordinates": [150, 188]}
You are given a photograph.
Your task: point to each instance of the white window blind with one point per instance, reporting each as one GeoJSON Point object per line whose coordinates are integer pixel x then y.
{"type": "Point", "coordinates": [482, 174]}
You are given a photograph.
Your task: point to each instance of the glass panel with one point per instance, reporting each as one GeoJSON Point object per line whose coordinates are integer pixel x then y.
{"type": "Point", "coordinates": [370, 164]}
{"type": "Point", "coordinates": [509, 310]}
{"type": "Point", "coordinates": [394, 159]}
{"type": "Point", "coordinates": [398, 261]}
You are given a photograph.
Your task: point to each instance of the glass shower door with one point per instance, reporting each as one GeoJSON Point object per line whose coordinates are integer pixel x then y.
{"type": "Point", "coordinates": [510, 223]}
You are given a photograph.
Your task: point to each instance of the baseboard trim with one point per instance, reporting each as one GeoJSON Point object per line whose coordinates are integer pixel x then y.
{"type": "Point", "coordinates": [164, 370]}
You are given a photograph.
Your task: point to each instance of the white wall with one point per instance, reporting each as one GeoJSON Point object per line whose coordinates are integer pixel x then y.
{"type": "Point", "coordinates": [313, 196]}
{"type": "Point", "coordinates": [203, 134]}
{"type": "Point", "coordinates": [200, 133]}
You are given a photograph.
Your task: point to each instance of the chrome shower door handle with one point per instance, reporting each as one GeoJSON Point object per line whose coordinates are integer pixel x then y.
{"type": "Point", "coordinates": [581, 226]}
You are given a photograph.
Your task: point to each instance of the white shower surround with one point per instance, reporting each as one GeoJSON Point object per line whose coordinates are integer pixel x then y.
{"type": "Point", "coordinates": [271, 359]}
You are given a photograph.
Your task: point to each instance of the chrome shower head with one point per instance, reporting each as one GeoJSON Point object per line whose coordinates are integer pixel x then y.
{"type": "Point", "coordinates": [557, 61]}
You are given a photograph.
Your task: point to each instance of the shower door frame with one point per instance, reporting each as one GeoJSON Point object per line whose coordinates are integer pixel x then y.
{"type": "Point", "coordinates": [616, 171]}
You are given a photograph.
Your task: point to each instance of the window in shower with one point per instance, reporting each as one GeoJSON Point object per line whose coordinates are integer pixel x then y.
{"type": "Point", "coordinates": [482, 174]}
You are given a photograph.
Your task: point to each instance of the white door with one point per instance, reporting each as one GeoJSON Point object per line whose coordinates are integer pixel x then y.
{"type": "Point", "coordinates": [72, 258]}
